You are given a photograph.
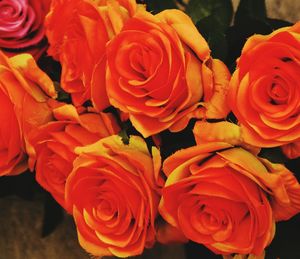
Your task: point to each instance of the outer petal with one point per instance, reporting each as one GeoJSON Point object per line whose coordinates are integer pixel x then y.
{"type": "Point", "coordinates": [186, 31]}
{"type": "Point", "coordinates": [220, 131]}
{"type": "Point", "coordinates": [285, 203]}
{"type": "Point", "coordinates": [26, 87]}
{"type": "Point", "coordinates": [217, 106]}
{"type": "Point", "coordinates": [26, 65]}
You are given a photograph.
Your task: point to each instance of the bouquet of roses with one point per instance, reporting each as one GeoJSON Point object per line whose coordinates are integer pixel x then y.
{"type": "Point", "coordinates": [143, 127]}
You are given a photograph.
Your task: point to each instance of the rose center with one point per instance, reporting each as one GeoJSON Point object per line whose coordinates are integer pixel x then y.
{"type": "Point", "coordinates": [210, 219]}
{"type": "Point", "coordinates": [105, 209]}
{"type": "Point", "coordinates": [6, 11]}
{"type": "Point", "coordinates": [138, 62]}
{"type": "Point", "coordinates": [278, 94]}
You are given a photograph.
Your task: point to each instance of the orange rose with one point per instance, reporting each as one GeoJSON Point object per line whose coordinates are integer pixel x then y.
{"type": "Point", "coordinates": [24, 91]}
{"type": "Point", "coordinates": [159, 70]}
{"type": "Point", "coordinates": [85, 26]}
{"type": "Point", "coordinates": [55, 142]}
{"type": "Point", "coordinates": [226, 198]}
{"type": "Point", "coordinates": [121, 186]}
{"type": "Point", "coordinates": [264, 90]}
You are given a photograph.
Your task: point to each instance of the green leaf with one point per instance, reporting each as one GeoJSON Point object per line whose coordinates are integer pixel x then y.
{"type": "Point", "coordinates": [214, 36]}
{"type": "Point", "coordinates": [125, 138]}
{"type": "Point", "coordinates": [251, 8]}
{"type": "Point", "coordinates": [156, 6]}
{"type": "Point", "coordinates": [218, 45]}
{"type": "Point", "coordinates": [221, 10]}
{"type": "Point", "coordinates": [212, 18]}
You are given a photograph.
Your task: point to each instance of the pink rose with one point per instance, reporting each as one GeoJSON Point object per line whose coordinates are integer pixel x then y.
{"type": "Point", "coordinates": [21, 26]}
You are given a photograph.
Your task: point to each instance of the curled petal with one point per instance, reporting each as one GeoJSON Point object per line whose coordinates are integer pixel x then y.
{"type": "Point", "coordinates": [220, 131]}
{"type": "Point", "coordinates": [186, 31]}
{"type": "Point", "coordinates": [286, 200]}
{"type": "Point", "coordinates": [291, 150]}
{"type": "Point", "coordinates": [217, 107]}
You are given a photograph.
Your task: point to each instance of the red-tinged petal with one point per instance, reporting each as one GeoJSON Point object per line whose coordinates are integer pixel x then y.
{"type": "Point", "coordinates": [291, 150]}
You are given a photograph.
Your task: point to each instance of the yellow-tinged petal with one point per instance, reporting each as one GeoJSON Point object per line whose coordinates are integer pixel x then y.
{"type": "Point", "coordinates": [220, 131]}
{"type": "Point", "coordinates": [26, 65]}
{"type": "Point", "coordinates": [182, 171]}
{"type": "Point", "coordinates": [181, 156]}
{"type": "Point", "coordinates": [187, 31]}
{"type": "Point", "coordinates": [157, 167]}
{"type": "Point", "coordinates": [256, 169]}
{"type": "Point", "coordinates": [86, 244]}
{"type": "Point", "coordinates": [66, 112]}
{"type": "Point", "coordinates": [217, 106]}
{"type": "Point", "coordinates": [193, 78]}
{"type": "Point", "coordinates": [117, 17]}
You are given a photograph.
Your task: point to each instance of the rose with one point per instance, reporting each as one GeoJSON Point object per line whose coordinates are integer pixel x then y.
{"type": "Point", "coordinates": [23, 97]}
{"type": "Point", "coordinates": [54, 145]}
{"type": "Point", "coordinates": [22, 26]}
{"type": "Point", "coordinates": [215, 194]}
{"type": "Point", "coordinates": [85, 27]}
{"type": "Point", "coordinates": [264, 90]}
{"type": "Point", "coordinates": [121, 186]}
{"type": "Point", "coordinates": [159, 69]}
